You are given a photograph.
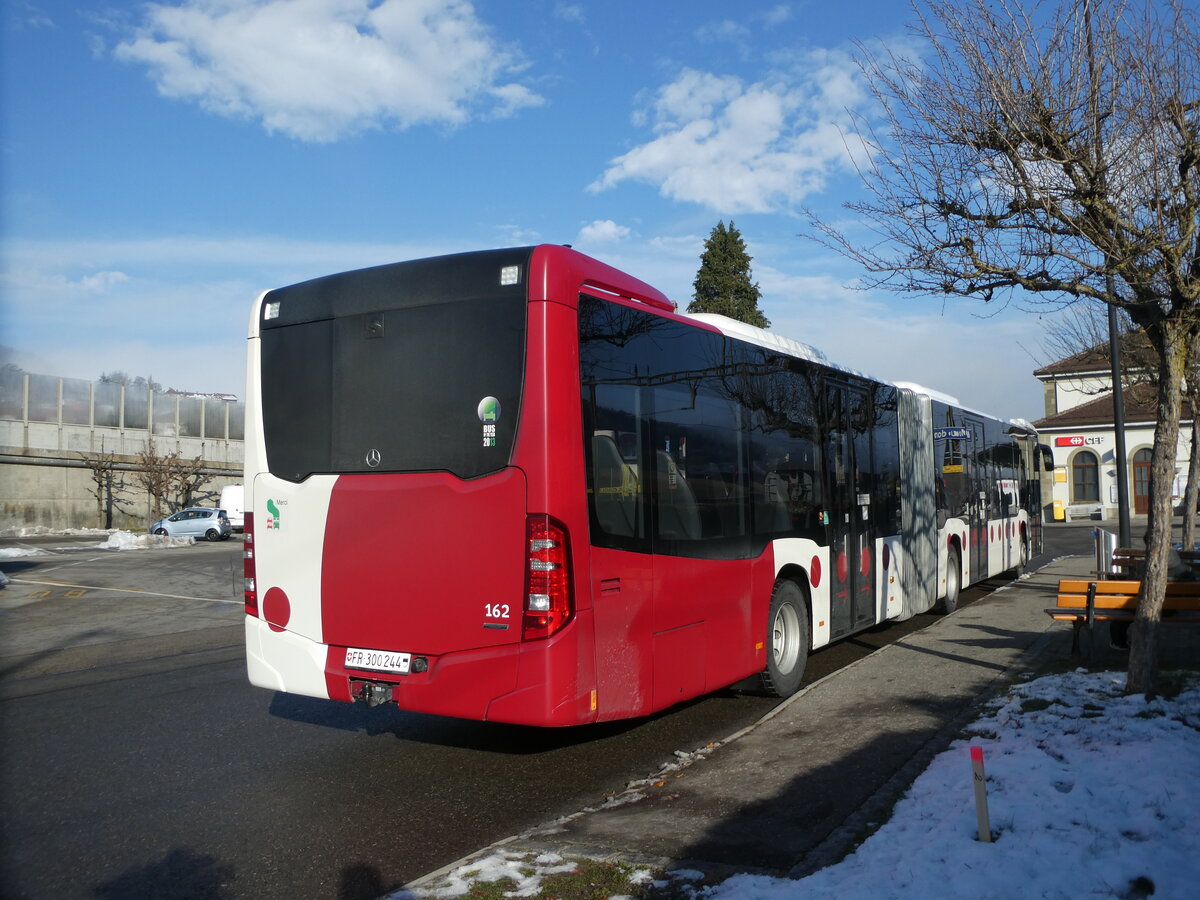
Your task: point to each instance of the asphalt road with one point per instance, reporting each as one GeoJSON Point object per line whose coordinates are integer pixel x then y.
{"type": "Point", "coordinates": [139, 763]}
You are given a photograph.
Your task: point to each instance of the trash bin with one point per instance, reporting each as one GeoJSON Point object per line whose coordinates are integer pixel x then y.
{"type": "Point", "coordinates": [1106, 545]}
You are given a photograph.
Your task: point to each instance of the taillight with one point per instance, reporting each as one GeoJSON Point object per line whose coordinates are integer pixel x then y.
{"type": "Point", "coordinates": [548, 602]}
{"type": "Point", "coordinates": [249, 590]}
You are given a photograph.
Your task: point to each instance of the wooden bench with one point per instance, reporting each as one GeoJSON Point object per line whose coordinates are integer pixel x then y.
{"type": "Point", "coordinates": [1084, 603]}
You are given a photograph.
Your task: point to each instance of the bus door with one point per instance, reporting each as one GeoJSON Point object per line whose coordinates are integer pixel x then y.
{"type": "Point", "coordinates": [980, 485]}
{"type": "Point", "coordinates": [849, 463]}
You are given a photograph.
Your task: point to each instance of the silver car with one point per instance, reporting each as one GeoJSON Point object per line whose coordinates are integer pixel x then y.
{"type": "Point", "coordinates": [196, 522]}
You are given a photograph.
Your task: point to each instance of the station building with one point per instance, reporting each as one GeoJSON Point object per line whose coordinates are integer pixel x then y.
{"type": "Point", "coordinates": [1078, 427]}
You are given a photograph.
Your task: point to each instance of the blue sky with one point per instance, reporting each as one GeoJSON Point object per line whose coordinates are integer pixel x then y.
{"type": "Point", "coordinates": [162, 163]}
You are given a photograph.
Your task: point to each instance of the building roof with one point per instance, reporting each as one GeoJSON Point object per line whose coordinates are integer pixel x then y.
{"type": "Point", "coordinates": [1134, 346]}
{"type": "Point", "coordinates": [1141, 408]}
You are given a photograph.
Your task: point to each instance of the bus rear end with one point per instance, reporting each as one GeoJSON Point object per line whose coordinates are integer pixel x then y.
{"type": "Point", "coordinates": [393, 553]}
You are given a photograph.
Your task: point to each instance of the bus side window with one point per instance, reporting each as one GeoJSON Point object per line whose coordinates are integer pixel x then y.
{"type": "Point", "coordinates": [678, 513]}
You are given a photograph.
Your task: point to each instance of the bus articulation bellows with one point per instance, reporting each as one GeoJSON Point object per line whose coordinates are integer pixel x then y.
{"type": "Point", "coordinates": [518, 486]}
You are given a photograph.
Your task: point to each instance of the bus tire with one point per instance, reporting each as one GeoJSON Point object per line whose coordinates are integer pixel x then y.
{"type": "Point", "coordinates": [953, 580]}
{"type": "Point", "coordinates": [1022, 554]}
{"type": "Point", "coordinates": [788, 640]}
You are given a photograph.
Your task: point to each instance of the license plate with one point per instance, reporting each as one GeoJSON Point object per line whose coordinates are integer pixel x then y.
{"type": "Point", "coordinates": [378, 660]}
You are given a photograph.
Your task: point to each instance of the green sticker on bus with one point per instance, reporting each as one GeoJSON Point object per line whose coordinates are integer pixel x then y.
{"type": "Point", "coordinates": [489, 410]}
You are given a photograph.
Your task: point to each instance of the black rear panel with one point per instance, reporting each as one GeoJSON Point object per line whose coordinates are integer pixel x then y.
{"type": "Point", "coordinates": [415, 366]}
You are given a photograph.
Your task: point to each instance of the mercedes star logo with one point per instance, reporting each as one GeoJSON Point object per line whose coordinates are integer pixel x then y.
{"type": "Point", "coordinates": [373, 457]}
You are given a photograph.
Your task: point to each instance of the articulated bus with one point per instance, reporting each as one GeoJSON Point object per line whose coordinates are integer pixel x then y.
{"type": "Point", "coordinates": [518, 486]}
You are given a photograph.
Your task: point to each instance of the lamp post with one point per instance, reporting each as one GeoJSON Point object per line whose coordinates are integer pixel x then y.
{"type": "Point", "coordinates": [1118, 396]}
{"type": "Point", "coordinates": [1114, 340]}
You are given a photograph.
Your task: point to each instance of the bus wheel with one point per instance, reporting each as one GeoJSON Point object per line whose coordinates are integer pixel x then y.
{"type": "Point", "coordinates": [1022, 554]}
{"type": "Point", "coordinates": [787, 640]}
{"type": "Point", "coordinates": [953, 580]}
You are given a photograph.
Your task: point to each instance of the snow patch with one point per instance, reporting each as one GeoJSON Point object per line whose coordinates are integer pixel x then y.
{"type": "Point", "coordinates": [1091, 794]}
{"type": "Point", "coordinates": [43, 531]}
{"type": "Point", "coordinates": [22, 552]}
{"type": "Point", "coordinates": [525, 873]}
{"type": "Point", "coordinates": [127, 540]}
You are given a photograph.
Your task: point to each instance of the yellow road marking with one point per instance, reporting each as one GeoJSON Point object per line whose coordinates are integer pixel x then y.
{"type": "Point", "coordinates": [92, 587]}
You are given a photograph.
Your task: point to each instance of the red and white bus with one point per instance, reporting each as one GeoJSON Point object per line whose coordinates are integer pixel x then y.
{"type": "Point", "coordinates": [518, 486]}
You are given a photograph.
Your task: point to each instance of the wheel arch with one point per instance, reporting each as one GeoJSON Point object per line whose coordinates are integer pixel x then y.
{"type": "Point", "coordinates": [798, 574]}
{"type": "Point", "coordinates": [788, 645]}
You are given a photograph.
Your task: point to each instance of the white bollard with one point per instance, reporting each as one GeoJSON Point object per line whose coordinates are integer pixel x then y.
{"type": "Point", "coordinates": [981, 805]}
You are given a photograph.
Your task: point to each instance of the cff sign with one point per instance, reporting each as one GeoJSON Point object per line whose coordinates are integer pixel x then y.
{"type": "Point", "coordinates": [1077, 440]}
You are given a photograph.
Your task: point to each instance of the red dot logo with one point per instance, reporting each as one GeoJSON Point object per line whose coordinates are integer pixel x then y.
{"type": "Point", "coordinates": [277, 609]}
{"type": "Point", "coordinates": [814, 571]}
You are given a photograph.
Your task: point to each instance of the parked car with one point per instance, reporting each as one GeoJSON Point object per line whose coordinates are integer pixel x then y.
{"type": "Point", "coordinates": [196, 522]}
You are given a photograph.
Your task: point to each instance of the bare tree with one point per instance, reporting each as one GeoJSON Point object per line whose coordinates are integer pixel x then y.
{"type": "Point", "coordinates": [155, 474]}
{"type": "Point", "coordinates": [1048, 152]}
{"type": "Point", "coordinates": [109, 484]}
{"type": "Point", "coordinates": [117, 376]}
{"type": "Point", "coordinates": [188, 476]}
{"type": "Point", "coordinates": [168, 479]}
{"type": "Point", "coordinates": [1083, 329]}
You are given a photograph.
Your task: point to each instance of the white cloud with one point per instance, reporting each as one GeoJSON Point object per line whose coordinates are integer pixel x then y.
{"type": "Point", "coordinates": [102, 281]}
{"type": "Point", "coordinates": [725, 30]}
{"type": "Point", "coordinates": [777, 15]}
{"type": "Point", "coordinates": [735, 147]}
{"type": "Point", "coordinates": [29, 15]}
{"type": "Point", "coordinates": [570, 12]}
{"type": "Point", "coordinates": [601, 231]}
{"type": "Point", "coordinates": [319, 70]}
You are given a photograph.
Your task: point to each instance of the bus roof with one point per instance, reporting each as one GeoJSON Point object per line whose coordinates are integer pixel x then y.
{"type": "Point", "coordinates": [761, 337]}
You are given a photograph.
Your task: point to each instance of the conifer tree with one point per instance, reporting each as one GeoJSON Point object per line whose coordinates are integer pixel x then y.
{"type": "Point", "coordinates": [723, 283]}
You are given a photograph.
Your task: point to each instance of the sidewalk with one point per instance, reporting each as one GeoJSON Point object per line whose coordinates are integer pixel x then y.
{"type": "Point", "coordinates": [802, 787]}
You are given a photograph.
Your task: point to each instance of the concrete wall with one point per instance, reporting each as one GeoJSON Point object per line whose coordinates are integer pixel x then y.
{"type": "Point", "coordinates": [57, 493]}
{"type": "Point", "coordinates": [49, 430]}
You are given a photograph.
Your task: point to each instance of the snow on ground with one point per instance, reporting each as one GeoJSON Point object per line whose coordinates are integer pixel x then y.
{"type": "Point", "coordinates": [1090, 793]}
{"type": "Point", "coordinates": [43, 531]}
{"type": "Point", "coordinates": [113, 540]}
{"type": "Point", "coordinates": [127, 540]}
{"type": "Point", "coordinates": [22, 552]}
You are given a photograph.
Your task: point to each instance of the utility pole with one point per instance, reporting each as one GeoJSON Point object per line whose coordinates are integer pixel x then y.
{"type": "Point", "coordinates": [1114, 339]}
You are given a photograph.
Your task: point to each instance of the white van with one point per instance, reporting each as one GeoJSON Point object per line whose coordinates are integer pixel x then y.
{"type": "Point", "coordinates": [233, 498]}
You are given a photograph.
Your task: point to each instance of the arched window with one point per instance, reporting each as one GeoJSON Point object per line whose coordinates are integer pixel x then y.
{"type": "Point", "coordinates": [1085, 470]}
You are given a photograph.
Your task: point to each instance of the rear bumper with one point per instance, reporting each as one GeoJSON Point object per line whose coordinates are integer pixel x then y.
{"type": "Point", "coordinates": [283, 661]}
{"type": "Point", "coordinates": [533, 683]}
